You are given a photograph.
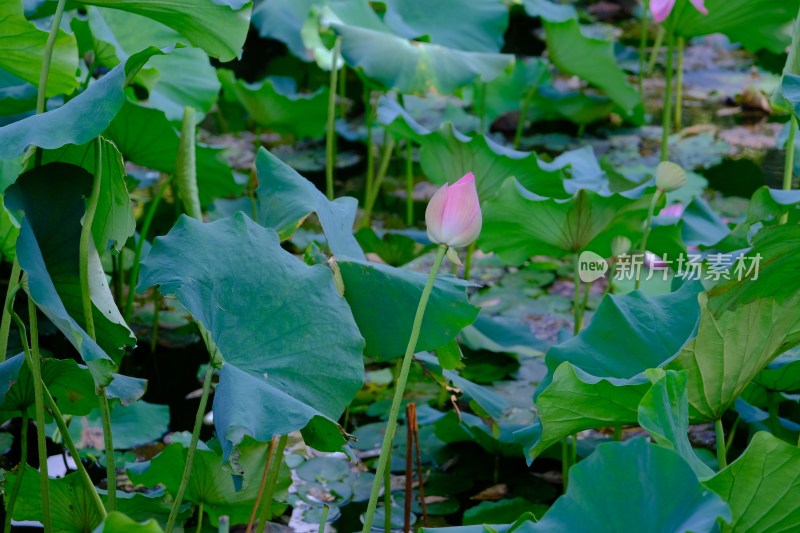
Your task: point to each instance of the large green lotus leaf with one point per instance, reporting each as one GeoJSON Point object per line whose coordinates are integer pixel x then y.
{"type": "Point", "coordinates": [447, 154]}
{"type": "Point", "coordinates": [664, 413]}
{"type": "Point", "coordinates": [73, 510]}
{"type": "Point", "coordinates": [662, 494]}
{"type": "Point", "coordinates": [209, 483]}
{"type": "Point", "coordinates": [470, 25]}
{"type": "Point", "coordinates": [730, 349]}
{"type": "Point", "coordinates": [765, 209]}
{"type": "Point", "coordinates": [505, 94]}
{"type": "Point", "coordinates": [276, 104]}
{"type": "Point", "coordinates": [145, 136]}
{"type": "Point", "coordinates": [81, 119]}
{"type": "Point", "coordinates": [282, 20]}
{"type": "Point", "coordinates": [373, 290]}
{"type": "Point", "coordinates": [762, 486]}
{"type": "Point", "coordinates": [182, 78]}
{"type": "Point", "coordinates": [217, 26]}
{"type": "Point", "coordinates": [782, 373]}
{"type": "Point", "coordinates": [756, 24]}
{"type": "Point", "coordinates": [52, 198]}
{"type": "Point", "coordinates": [776, 275]}
{"type": "Point", "coordinates": [285, 199]}
{"type": "Point", "coordinates": [70, 384]}
{"type": "Point", "coordinates": [116, 522]}
{"type": "Point", "coordinates": [519, 224]}
{"type": "Point", "coordinates": [22, 47]}
{"type": "Point", "coordinates": [589, 58]}
{"type": "Point", "coordinates": [598, 378]}
{"type": "Point", "coordinates": [113, 221]}
{"type": "Point", "coordinates": [412, 66]}
{"type": "Point", "coordinates": [276, 323]}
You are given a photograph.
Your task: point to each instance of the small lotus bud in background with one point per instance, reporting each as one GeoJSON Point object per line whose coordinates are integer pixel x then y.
{"type": "Point", "coordinates": [620, 245]}
{"type": "Point", "coordinates": [453, 215]}
{"type": "Point", "coordinates": [661, 9]}
{"type": "Point", "coordinates": [670, 177]}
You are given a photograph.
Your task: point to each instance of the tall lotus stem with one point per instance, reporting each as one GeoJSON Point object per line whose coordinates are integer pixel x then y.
{"type": "Point", "coordinates": [5, 322]}
{"type": "Point", "coordinates": [679, 86]}
{"type": "Point", "coordinates": [643, 46]}
{"type": "Point", "coordinates": [272, 483]}
{"type": "Point", "coordinates": [86, 244]}
{"type": "Point", "coordinates": [719, 434]}
{"type": "Point", "coordinates": [788, 169]}
{"type": "Point", "coordinates": [666, 116]}
{"type": "Point", "coordinates": [330, 139]}
{"type": "Point", "coordinates": [186, 180]}
{"type": "Point", "coordinates": [23, 464]}
{"type": "Point", "coordinates": [391, 424]}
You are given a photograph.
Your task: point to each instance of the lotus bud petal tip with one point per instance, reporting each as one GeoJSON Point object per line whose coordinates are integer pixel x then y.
{"type": "Point", "coordinates": [453, 216]}
{"type": "Point", "coordinates": [670, 177]}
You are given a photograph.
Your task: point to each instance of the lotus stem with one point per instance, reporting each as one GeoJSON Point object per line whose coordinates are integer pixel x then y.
{"type": "Point", "coordinates": [468, 259]}
{"type": "Point", "coordinates": [324, 519]}
{"type": "Point", "coordinates": [41, 96]}
{"type": "Point", "coordinates": [73, 451]}
{"type": "Point", "coordinates": [137, 257]}
{"type": "Point", "coordinates": [386, 158]}
{"type": "Point", "coordinates": [719, 433]}
{"type": "Point", "coordinates": [646, 232]}
{"type": "Point", "coordinates": [272, 482]}
{"type": "Point", "coordinates": [391, 424]}
{"type": "Point", "coordinates": [576, 298]}
{"type": "Point", "coordinates": [370, 153]}
{"type": "Point", "coordinates": [187, 469]}
{"type": "Point", "coordinates": [5, 322]}
{"type": "Point", "coordinates": [788, 169]}
{"type": "Point", "coordinates": [23, 464]}
{"type": "Point", "coordinates": [387, 498]}
{"type": "Point", "coordinates": [273, 444]}
{"type": "Point", "coordinates": [523, 113]}
{"type": "Point", "coordinates": [32, 359]}
{"type": "Point", "coordinates": [679, 86]}
{"type": "Point", "coordinates": [330, 139]}
{"type": "Point", "coordinates": [643, 46]}
{"type": "Point", "coordinates": [651, 63]}
{"type": "Point", "coordinates": [200, 513]}
{"type": "Point", "coordinates": [409, 183]}
{"type": "Point", "coordinates": [666, 116]}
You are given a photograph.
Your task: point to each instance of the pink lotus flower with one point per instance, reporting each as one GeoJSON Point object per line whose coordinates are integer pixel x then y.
{"type": "Point", "coordinates": [674, 210]}
{"type": "Point", "coordinates": [453, 215]}
{"type": "Point", "coordinates": [662, 8]}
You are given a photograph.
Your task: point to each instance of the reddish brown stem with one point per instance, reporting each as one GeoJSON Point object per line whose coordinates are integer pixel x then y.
{"type": "Point", "coordinates": [262, 486]}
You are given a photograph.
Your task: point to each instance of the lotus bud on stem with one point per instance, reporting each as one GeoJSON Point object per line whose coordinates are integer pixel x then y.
{"type": "Point", "coordinates": [454, 220]}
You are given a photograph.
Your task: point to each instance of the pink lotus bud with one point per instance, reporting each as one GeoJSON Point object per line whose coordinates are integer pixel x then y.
{"type": "Point", "coordinates": [453, 215]}
{"type": "Point", "coordinates": [662, 8]}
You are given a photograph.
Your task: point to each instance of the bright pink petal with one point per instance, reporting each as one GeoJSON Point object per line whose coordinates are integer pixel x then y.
{"type": "Point", "coordinates": [662, 8]}
{"type": "Point", "coordinates": [434, 213]}
{"type": "Point", "coordinates": [700, 6]}
{"type": "Point", "coordinates": [461, 221]}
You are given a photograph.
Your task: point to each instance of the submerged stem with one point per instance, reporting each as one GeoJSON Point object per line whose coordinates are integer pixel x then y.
{"type": "Point", "coordinates": [41, 96]}
{"type": "Point", "coordinates": [646, 233]}
{"type": "Point", "coordinates": [391, 424]}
